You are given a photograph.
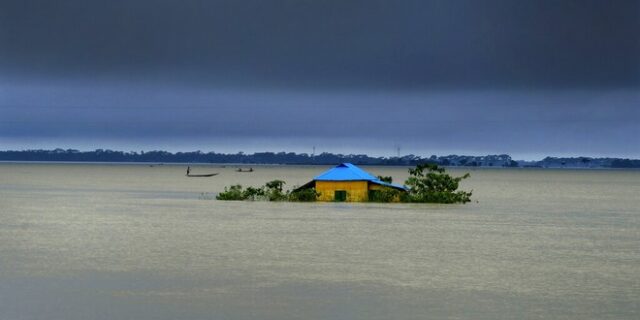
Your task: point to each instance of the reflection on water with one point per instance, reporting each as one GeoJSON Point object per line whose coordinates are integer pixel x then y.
{"type": "Point", "coordinates": [140, 242]}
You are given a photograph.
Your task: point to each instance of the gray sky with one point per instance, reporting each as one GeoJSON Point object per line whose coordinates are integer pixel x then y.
{"type": "Point", "coordinates": [529, 78]}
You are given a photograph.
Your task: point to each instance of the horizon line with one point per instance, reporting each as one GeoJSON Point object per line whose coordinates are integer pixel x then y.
{"type": "Point", "coordinates": [328, 152]}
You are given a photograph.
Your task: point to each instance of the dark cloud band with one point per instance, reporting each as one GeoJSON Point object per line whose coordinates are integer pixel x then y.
{"type": "Point", "coordinates": [468, 43]}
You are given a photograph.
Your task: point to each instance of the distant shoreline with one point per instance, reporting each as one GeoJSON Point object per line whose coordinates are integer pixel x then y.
{"type": "Point", "coordinates": [291, 158]}
{"type": "Point", "coordinates": [236, 165]}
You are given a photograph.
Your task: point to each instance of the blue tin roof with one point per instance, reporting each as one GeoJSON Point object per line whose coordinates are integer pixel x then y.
{"type": "Point", "coordinates": [349, 172]}
{"type": "Point", "coordinates": [345, 172]}
{"type": "Point", "coordinates": [391, 185]}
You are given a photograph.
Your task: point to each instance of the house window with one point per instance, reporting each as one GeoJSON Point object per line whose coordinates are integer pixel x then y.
{"type": "Point", "coordinates": [340, 195]}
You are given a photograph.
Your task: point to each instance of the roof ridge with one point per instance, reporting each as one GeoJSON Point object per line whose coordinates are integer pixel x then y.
{"type": "Point", "coordinates": [345, 171]}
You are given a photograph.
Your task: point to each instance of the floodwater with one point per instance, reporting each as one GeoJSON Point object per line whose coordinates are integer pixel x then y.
{"type": "Point", "coordinates": [96, 241]}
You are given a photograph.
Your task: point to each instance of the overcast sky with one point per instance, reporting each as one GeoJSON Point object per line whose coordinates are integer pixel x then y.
{"type": "Point", "coordinates": [528, 78]}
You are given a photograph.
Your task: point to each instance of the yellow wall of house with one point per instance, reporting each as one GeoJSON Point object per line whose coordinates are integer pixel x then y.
{"type": "Point", "coordinates": [374, 186]}
{"type": "Point", "coordinates": [357, 191]}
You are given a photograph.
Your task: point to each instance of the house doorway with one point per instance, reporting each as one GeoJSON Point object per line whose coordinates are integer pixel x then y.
{"type": "Point", "coordinates": [340, 195]}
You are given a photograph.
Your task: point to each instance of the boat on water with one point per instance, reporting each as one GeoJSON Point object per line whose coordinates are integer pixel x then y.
{"type": "Point", "coordinates": [202, 175]}
{"type": "Point", "coordinates": [199, 175]}
{"type": "Point", "coordinates": [242, 170]}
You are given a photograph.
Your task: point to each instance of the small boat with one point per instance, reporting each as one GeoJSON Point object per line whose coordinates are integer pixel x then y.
{"type": "Point", "coordinates": [242, 170]}
{"type": "Point", "coordinates": [199, 175]}
{"type": "Point", "coordinates": [202, 175]}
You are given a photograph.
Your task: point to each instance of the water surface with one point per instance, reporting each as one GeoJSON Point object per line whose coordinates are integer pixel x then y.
{"type": "Point", "coordinates": [95, 241]}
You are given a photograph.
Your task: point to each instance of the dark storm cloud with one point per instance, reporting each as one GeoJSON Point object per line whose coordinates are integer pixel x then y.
{"type": "Point", "coordinates": [517, 122]}
{"type": "Point", "coordinates": [523, 77]}
{"type": "Point", "coordinates": [469, 43]}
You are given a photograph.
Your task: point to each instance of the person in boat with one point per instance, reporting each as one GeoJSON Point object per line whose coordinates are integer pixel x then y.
{"type": "Point", "coordinates": [188, 170]}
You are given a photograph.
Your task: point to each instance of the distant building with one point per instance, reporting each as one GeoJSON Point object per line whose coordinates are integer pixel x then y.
{"type": "Point", "coordinates": [346, 182]}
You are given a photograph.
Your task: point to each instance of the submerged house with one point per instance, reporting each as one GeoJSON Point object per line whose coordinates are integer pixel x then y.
{"type": "Point", "coordinates": [346, 182]}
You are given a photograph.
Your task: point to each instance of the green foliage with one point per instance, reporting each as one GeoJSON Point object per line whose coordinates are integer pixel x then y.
{"type": "Point", "coordinates": [430, 183]}
{"type": "Point", "coordinates": [386, 179]}
{"type": "Point", "coordinates": [275, 185]}
{"type": "Point", "coordinates": [304, 195]}
{"type": "Point", "coordinates": [232, 193]}
{"type": "Point", "coordinates": [253, 194]}
{"type": "Point", "coordinates": [271, 191]}
{"type": "Point", "coordinates": [386, 195]}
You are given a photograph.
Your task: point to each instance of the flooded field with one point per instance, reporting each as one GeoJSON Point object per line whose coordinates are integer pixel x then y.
{"type": "Point", "coordinates": [96, 241]}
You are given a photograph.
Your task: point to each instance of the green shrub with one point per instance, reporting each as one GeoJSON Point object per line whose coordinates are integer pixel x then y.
{"type": "Point", "coordinates": [275, 185]}
{"type": "Point", "coordinates": [435, 185]}
{"type": "Point", "coordinates": [304, 195]}
{"type": "Point", "coordinates": [273, 190]}
{"type": "Point", "coordinates": [253, 194]}
{"type": "Point", "coordinates": [232, 193]}
{"type": "Point", "coordinates": [385, 195]}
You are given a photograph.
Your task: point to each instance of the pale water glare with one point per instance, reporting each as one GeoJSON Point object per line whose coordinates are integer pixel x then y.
{"type": "Point", "coordinates": [95, 241]}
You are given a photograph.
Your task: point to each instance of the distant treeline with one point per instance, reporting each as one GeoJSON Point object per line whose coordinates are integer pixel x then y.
{"type": "Point", "coordinates": [586, 162]}
{"type": "Point", "coordinates": [502, 160]}
{"type": "Point", "coordinates": [101, 155]}
{"type": "Point", "coordinates": [625, 163]}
